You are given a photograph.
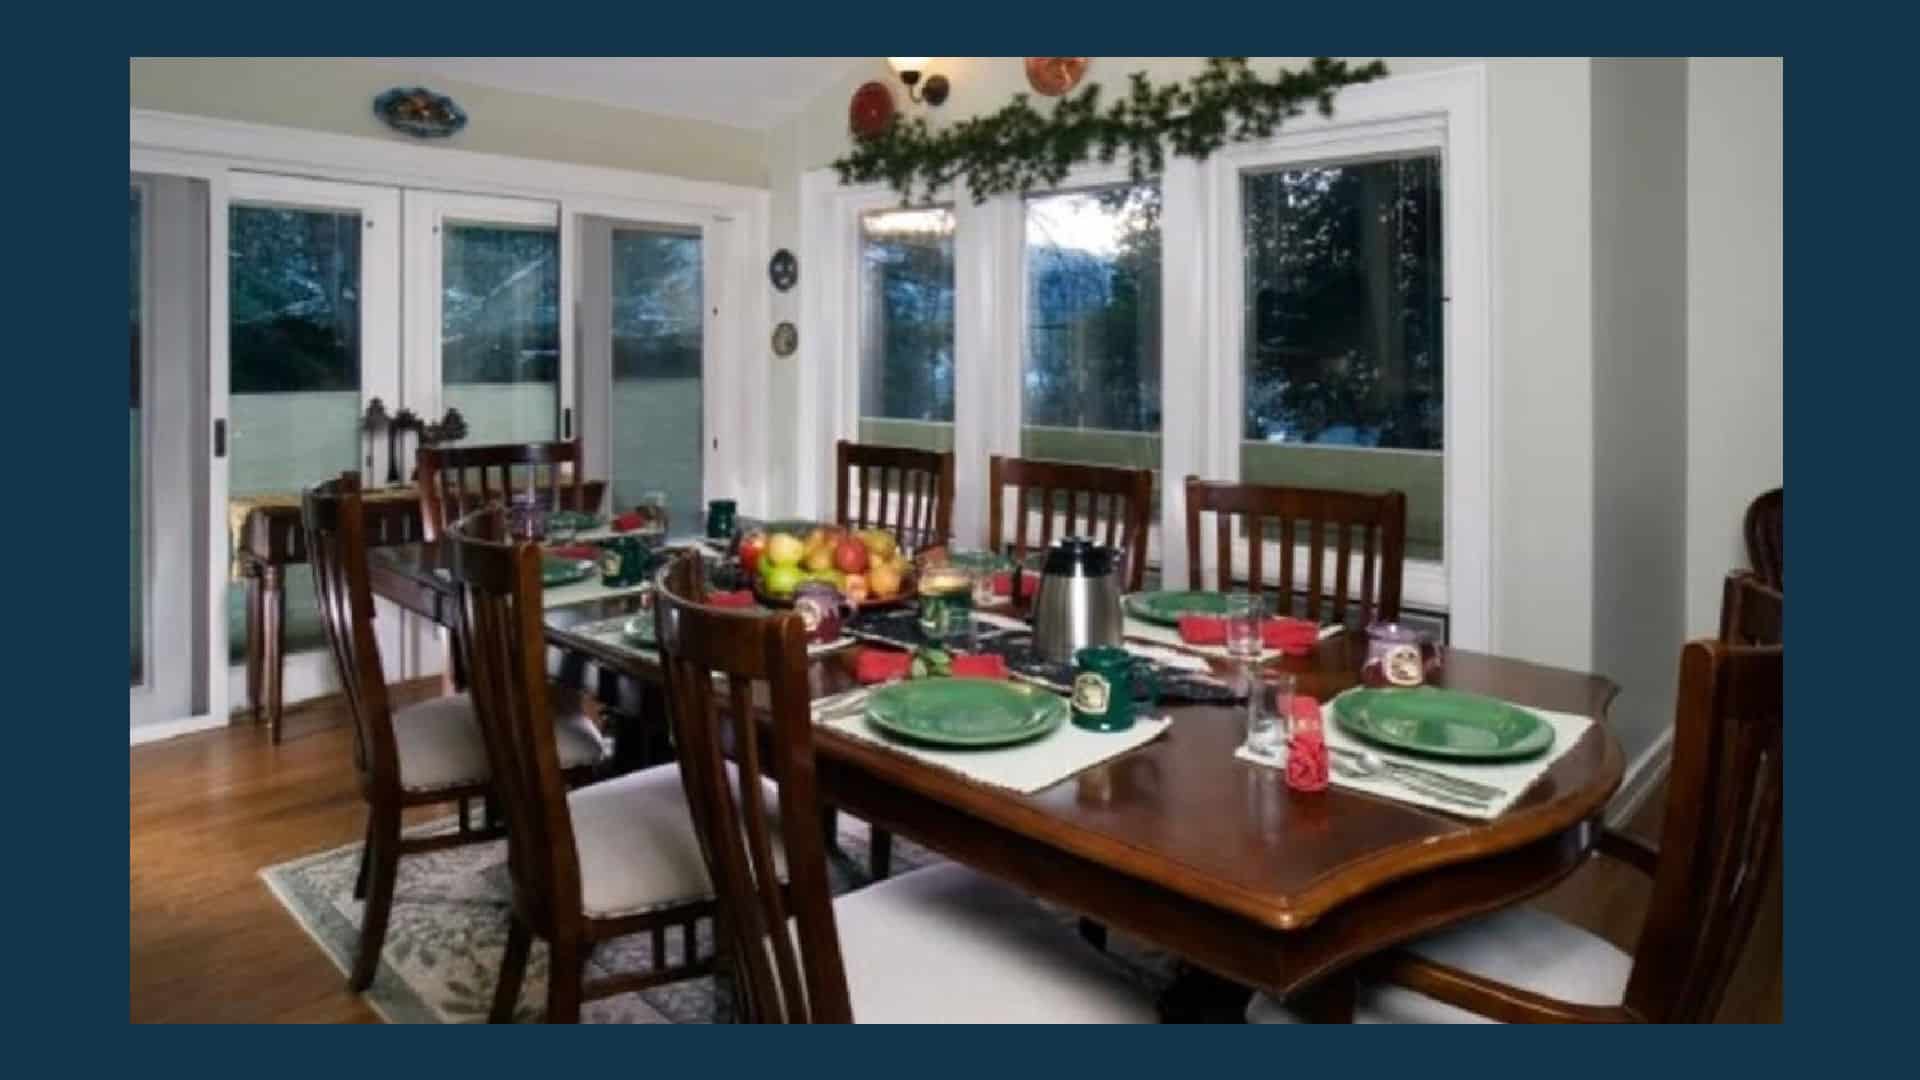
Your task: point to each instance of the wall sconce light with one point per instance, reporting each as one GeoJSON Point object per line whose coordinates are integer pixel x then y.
{"type": "Point", "coordinates": [909, 68]}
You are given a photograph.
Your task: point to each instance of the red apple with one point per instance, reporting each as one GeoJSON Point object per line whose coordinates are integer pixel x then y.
{"type": "Point", "coordinates": [752, 546]}
{"type": "Point", "coordinates": [850, 555]}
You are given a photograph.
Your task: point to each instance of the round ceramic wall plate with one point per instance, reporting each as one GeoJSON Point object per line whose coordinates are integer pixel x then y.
{"type": "Point", "coordinates": [786, 338]}
{"type": "Point", "coordinates": [783, 269]}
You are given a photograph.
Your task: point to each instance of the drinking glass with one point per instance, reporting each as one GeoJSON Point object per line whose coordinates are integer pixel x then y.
{"type": "Point", "coordinates": [1269, 712]}
{"type": "Point", "coordinates": [1244, 612]}
{"type": "Point", "coordinates": [652, 509]}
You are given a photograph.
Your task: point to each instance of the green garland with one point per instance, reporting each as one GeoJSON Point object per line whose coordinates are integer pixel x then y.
{"type": "Point", "coordinates": [1017, 149]}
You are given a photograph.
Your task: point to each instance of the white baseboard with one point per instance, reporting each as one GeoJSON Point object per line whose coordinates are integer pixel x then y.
{"type": "Point", "coordinates": [1642, 776]}
{"type": "Point", "coordinates": [147, 733]}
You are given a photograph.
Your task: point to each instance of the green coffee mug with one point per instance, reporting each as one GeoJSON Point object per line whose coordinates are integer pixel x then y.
{"type": "Point", "coordinates": [1109, 685]}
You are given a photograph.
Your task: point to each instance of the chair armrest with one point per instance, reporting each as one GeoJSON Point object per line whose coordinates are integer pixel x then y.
{"type": "Point", "coordinates": [1631, 850]}
{"type": "Point", "coordinates": [1488, 997]}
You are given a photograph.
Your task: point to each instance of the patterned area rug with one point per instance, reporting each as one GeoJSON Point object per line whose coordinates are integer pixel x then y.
{"type": "Point", "coordinates": [449, 928]}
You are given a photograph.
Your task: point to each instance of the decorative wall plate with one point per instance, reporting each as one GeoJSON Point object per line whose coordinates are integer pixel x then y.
{"type": "Point", "coordinates": [871, 111]}
{"type": "Point", "coordinates": [1055, 75]}
{"type": "Point", "coordinates": [786, 338]}
{"type": "Point", "coordinates": [419, 111]}
{"type": "Point", "coordinates": [783, 270]}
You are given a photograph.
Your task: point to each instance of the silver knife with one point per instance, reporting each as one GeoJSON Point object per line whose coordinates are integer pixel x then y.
{"type": "Point", "coordinates": [1438, 779]}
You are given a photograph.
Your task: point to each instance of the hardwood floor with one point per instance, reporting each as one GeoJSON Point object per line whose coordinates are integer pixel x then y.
{"type": "Point", "coordinates": [209, 943]}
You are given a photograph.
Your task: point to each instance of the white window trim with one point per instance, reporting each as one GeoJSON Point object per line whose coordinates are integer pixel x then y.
{"type": "Point", "coordinates": [1200, 282]}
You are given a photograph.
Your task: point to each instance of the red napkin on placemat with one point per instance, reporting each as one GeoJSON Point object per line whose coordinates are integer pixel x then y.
{"type": "Point", "coordinates": [629, 521]}
{"type": "Point", "coordinates": [981, 666]}
{"type": "Point", "coordinates": [1003, 583]}
{"type": "Point", "coordinates": [575, 551]}
{"type": "Point", "coordinates": [1295, 637]}
{"type": "Point", "coordinates": [880, 665]}
{"type": "Point", "coordinates": [742, 598]}
{"type": "Point", "coordinates": [1307, 746]}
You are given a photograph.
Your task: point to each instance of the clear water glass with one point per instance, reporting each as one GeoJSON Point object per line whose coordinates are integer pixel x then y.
{"type": "Point", "coordinates": [1244, 612]}
{"type": "Point", "coordinates": [1269, 713]}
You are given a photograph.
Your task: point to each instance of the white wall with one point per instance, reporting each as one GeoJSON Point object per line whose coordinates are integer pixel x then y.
{"type": "Point", "coordinates": [1639, 387]}
{"type": "Point", "coordinates": [1736, 415]}
{"type": "Point", "coordinates": [337, 96]}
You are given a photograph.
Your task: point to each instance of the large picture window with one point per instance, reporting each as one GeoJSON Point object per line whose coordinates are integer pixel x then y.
{"type": "Point", "coordinates": [1344, 336]}
{"type": "Point", "coordinates": [906, 328]}
{"type": "Point", "coordinates": [1091, 383]}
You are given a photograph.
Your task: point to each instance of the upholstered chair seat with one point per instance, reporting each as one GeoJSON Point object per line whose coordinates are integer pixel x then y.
{"type": "Point", "coordinates": [440, 745]}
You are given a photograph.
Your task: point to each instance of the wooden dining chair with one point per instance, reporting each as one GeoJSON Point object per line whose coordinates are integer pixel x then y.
{"type": "Point", "coordinates": [1750, 612]}
{"type": "Point", "coordinates": [941, 944]}
{"type": "Point", "coordinates": [905, 491]}
{"type": "Point", "coordinates": [604, 861]}
{"type": "Point", "coordinates": [1316, 518]}
{"type": "Point", "coordinates": [1717, 851]}
{"type": "Point", "coordinates": [426, 754]}
{"type": "Point", "coordinates": [1765, 529]}
{"type": "Point", "coordinates": [1107, 505]}
{"type": "Point", "coordinates": [457, 480]}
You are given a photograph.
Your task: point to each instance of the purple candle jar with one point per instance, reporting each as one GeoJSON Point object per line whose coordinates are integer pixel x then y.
{"type": "Point", "coordinates": [1398, 655]}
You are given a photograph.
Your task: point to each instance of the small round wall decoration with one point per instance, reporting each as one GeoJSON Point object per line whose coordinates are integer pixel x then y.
{"type": "Point", "coordinates": [786, 338]}
{"type": "Point", "coordinates": [1055, 75]}
{"type": "Point", "coordinates": [419, 112]}
{"type": "Point", "coordinates": [783, 269]}
{"type": "Point", "coordinates": [871, 110]}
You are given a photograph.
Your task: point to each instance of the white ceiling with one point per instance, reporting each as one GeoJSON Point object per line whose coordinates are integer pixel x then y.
{"type": "Point", "coordinates": [743, 91]}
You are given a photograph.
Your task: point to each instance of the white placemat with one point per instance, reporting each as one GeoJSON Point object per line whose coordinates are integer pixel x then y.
{"type": "Point", "coordinates": [1142, 630]}
{"type": "Point", "coordinates": [1513, 778]}
{"type": "Point", "coordinates": [589, 589]}
{"type": "Point", "coordinates": [1025, 768]}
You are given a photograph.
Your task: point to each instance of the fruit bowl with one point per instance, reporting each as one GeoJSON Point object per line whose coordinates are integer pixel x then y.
{"type": "Point", "coordinates": [865, 565]}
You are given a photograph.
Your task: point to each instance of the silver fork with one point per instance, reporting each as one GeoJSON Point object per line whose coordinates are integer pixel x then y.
{"type": "Point", "coordinates": [1347, 769]}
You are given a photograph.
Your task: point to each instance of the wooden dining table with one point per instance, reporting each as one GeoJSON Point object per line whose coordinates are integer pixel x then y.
{"type": "Point", "coordinates": [1179, 844]}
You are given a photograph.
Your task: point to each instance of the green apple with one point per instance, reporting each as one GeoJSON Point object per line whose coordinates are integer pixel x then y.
{"type": "Point", "coordinates": [782, 579]}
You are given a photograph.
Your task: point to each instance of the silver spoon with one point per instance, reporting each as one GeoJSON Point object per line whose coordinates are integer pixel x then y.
{"type": "Point", "coordinates": [1374, 764]}
{"type": "Point", "coordinates": [1357, 767]}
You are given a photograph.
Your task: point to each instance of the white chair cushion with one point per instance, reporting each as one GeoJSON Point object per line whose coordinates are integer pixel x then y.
{"type": "Point", "coordinates": [945, 945]}
{"type": "Point", "coordinates": [440, 744]}
{"type": "Point", "coordinates": [638, 851]}
{"type": "Point", "coordinates": [1520, 946]}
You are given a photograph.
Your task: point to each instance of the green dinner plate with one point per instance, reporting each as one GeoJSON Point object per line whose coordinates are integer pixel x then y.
{"type": "Point", "coordinates": [1166, 608]}
{"type": "Point", "coordinates": [1442, 723]}
{"type": "Point", "coordinates": [564, 571]}
{"type": "Point", "coordinates": [639, 630]}
{"type": "Point", "coordinates": [965, 712]}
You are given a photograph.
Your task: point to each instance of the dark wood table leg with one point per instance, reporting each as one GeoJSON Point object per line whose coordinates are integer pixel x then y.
{"type": "Point", "coordinates": [274, 603]}
{"type": "Point", "coordinates": [1197, 996]}
{"type": "Point", "coordinates": [254, 631]}
{"type": "Point", "coordinates": [1329, 1001]}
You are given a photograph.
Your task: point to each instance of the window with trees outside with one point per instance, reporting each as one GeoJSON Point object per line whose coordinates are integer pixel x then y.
{"type": "Point", "coordinates": [906, 328]}
{"type": "Point", "coordinates": [500, 331]}
{"type": "Point", "coordinates": [1091, 383]}
{"type": "Point", "coordinates": [1345, 332]}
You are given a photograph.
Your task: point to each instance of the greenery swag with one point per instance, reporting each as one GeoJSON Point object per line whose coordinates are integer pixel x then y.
{"type": "Point", "coordinates": [1018, 149]}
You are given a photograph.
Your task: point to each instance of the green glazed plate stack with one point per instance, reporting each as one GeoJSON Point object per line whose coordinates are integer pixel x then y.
{"type": "Point", "coordinates": [965, 712]}
{"type": "Point", "coordinates": [555, 571]}
{"type": "Point", "coordinates": [1442, 723]}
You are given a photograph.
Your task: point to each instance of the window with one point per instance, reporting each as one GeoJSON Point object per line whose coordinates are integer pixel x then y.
{"type": "Point", "coordinates": [906, 328]}
{"type": "Point", "coordinates": [500, 331]}
{"type": "Point", "coordinates": [1091, 384]}
{"type": "Point", "coordinates": [657, 351]}
{"type": "Point", "coordinates": [1344, 333]}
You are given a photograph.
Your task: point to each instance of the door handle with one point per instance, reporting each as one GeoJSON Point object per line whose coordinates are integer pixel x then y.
{"type": "Point", "coordinates": [566, 423]}
{"type": "Point", "coordinates": [220, 437]}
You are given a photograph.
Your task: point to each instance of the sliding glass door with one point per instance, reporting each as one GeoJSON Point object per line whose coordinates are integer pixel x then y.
{"type": "Point", "coordinates": [313, 336]}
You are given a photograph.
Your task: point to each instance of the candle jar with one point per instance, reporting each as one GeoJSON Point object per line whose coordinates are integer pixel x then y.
{"type": "Point", "coordinates": [1398, 655]}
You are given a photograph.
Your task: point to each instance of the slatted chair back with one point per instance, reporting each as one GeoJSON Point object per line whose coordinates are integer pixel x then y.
{"type": "Point", "coordinates": [905, 491]}
{"type": "Point", "coordinates": [1110, 506]}
{"type": "Point", "coordinates": [1311, 524]}
{"type": "Point", "coordinates": [726, 670]}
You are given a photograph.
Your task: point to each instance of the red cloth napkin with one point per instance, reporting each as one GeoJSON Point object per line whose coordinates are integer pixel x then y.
{"type": "Point", "coordinates": [1295, 637]}
{"type": "Point", "coordinates": [880, 665]}
{"type": "Point", "coordinates": [629, 521]}
{"type": "Point", "coordinates": [575, 551]}
{"type": "Point", "coordinates": [1306, 715]}
{"type": "Point", "coordinates": [740, 599]}
{"type": "Point", "coordinates": [1307, 761]}
{"type": "Point", "coordinates": [981, 666]}
{"type": "Point", "coordinates": [1003, 583]}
